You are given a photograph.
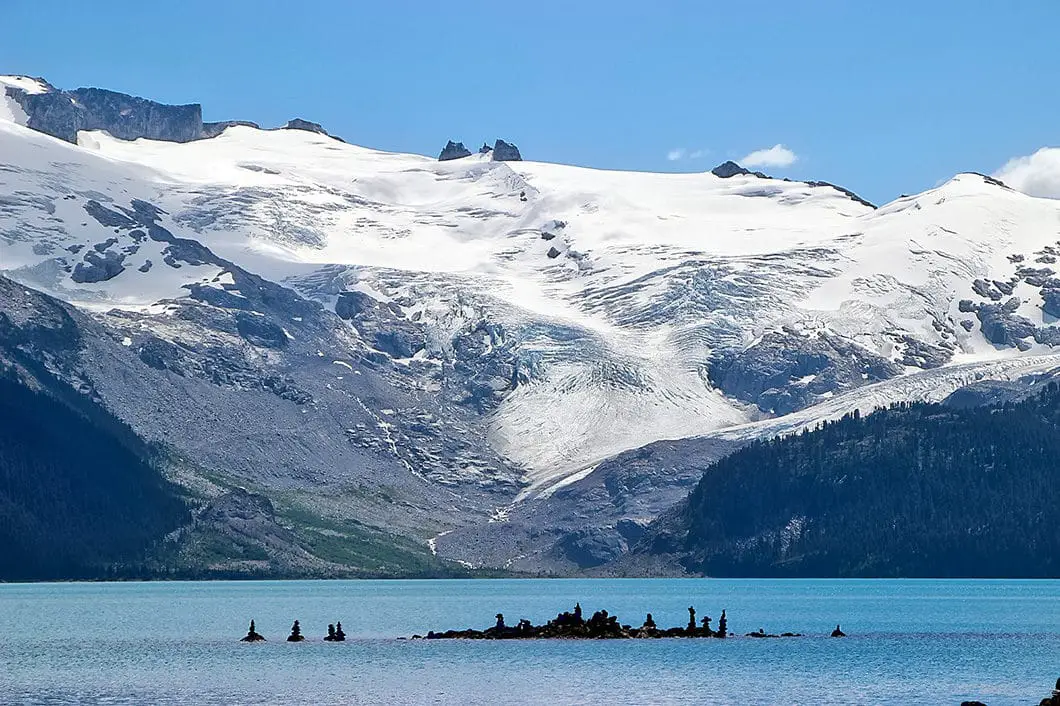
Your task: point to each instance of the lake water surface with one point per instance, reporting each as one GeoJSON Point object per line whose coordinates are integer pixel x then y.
{"type": "Point", "coordinates": [910, 642]}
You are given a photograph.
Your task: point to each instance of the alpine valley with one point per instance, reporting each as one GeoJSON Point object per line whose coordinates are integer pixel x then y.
{"type": "Point", "coordinates": [235, 351]}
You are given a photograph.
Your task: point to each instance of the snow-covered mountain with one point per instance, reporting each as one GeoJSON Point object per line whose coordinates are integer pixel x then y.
{"type": "Point", "coordinates": [489, 334]}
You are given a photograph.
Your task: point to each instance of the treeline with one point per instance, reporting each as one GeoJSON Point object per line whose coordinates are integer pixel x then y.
{"type": "Point", "coordinates": [913, 490]}
{"type": "Point", "coordinates": [79, 497]}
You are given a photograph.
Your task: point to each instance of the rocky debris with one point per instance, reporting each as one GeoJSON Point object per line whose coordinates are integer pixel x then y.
{"type": "Point", "coordinates": [253, 635]}
{"type": "Point", "coordinates": [553, 253]}
{"type": "Point", "coordinates": [967, 324]}
{"type": "Point", "coordinates": [485, 149]}
{"type": "Point", "coordinates": [505, 152]}
{"type": "Point", "coordinates": [453, 150]}
{"type": "Point", "coordinates": [296, 633]}
{"type": "Point", "coordinates": [210, 130]}
{"type": "Point", "coordinates": [63, 114]}
{"type": "Point", "coordinates": [98, 268]}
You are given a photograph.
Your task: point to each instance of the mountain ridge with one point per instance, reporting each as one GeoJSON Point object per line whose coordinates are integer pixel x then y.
{"type": "Point", "coordinates": [484, 350]}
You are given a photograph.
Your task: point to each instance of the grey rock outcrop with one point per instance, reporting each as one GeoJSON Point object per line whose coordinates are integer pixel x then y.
{"type": "Point", "coordinates": [787, 370]}
{"type": "Point", "coordinates": [63, 113]}
{"type": "Point", "coordinates": [729, 169]}
{"type": "Point", "coordinates": [214, 129]}
{"type": "Point", "coordinates": [453, 150]}
{"type": "Point", "coordinates": [505, 152]}
{"type": "Point", "coordinates": [1002, 327]}
{"type": "Point", "coordinates": [98, 267]}
{"type": "Point", "coordinates": [299, 124]}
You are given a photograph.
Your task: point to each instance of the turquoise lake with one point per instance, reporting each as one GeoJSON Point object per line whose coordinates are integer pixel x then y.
{"type": "Point", "coordinates": [910, 642]}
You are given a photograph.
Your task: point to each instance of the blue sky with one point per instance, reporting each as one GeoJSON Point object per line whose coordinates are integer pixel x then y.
{"type": "Point", "coordinates": [883, 98]}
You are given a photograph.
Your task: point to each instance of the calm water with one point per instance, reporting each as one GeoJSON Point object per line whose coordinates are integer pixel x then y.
{"type": "Point", "coordinates": [911, 642]}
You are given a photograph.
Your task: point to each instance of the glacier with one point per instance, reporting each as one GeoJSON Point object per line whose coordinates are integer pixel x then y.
{"type": "Point", "coordinates": [498, 335]}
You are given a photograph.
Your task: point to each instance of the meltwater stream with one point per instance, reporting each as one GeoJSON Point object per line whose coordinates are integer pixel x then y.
{"type": "Point", "coordinates": [910, 642]}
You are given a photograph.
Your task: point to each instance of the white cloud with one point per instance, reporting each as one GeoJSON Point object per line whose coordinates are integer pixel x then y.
{"type": "Point", "coordinates": [679, 153]}
{"type": "Point", "coordinates": [775, 156]}
{"type": "Point", "coordinates": [1037, 174]}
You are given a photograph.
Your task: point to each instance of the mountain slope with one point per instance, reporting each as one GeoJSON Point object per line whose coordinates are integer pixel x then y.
{"type": "Point", "coordinates": [914, 490]}
{"type": "Point", "coordinates": [470, 353]}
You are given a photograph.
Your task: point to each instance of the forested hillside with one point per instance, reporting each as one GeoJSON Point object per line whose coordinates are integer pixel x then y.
{"type": "Point", "coordinates": [78, 498]}
{"type": "Point", "coordinates": [914, 490]}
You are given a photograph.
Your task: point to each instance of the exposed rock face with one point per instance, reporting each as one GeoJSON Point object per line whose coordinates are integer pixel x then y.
{"type": "Point", "coordinates": [299, 124]}
{"type": "Point", "coordinates": [453, 150]}
{"type": "Point", "coordinates": [485, 149]}
{"type": "Point", "coordinates": [505, 152]}
{"type": "Point", "coordinates": [63, 113]}
{"type": "Point", "coordinates": [785, 371]}
{"type": "Point", "coordinates": [98, 267]}
{"type": "Point", "coordinates": [729, 169]}
{"type": "Point", "coordinates": [1002, 327]}
{"type": "Point", "coordinates": [214, 129]}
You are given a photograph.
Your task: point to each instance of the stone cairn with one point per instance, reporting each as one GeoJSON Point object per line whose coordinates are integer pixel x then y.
{"type": "Point", "coordinates": [600, 626]}
{"type": "Point", "coordinates": [253, 635]}
{"type": "Point", "coordinates": [335, 633]}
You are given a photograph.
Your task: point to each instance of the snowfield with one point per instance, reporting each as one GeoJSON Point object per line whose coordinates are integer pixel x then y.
{"type": "Point", "coordinates": [633, 307]}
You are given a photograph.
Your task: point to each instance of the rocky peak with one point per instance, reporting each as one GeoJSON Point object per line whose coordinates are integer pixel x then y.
{"type": "Point", "coordinates": [730, 168]}
{"type": "Point", "coordinates": [299, 124]}
{"type": "Point", "coordinates": [453, 150]}
{"type": "Point", "coordinates": [63, 114]}
{"type": "Point", "coordinates": [485, 149]}
{"type": "Point", "coordinates": [506, 152]}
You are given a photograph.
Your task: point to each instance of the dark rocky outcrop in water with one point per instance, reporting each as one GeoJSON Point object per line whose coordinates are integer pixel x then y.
{"type": "Point", "coordinates": [571, 625]}
{"type": "Point", "coordinates": [453, 150]}
{"type": "Point", "coordinates": [296, 633]}
{"type": "Point", "coordinates": [1054, 698]}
